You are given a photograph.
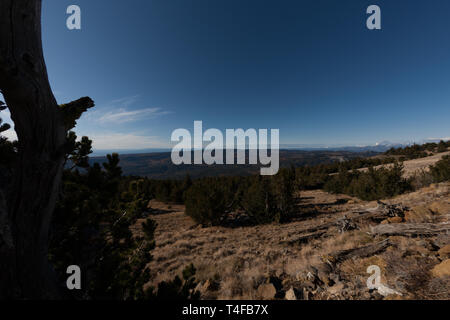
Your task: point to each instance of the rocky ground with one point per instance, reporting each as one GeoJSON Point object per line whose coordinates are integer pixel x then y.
{"type": "Point", "coordinates": [323, 253]}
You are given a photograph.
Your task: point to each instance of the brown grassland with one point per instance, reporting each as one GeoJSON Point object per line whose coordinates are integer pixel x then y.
{"type": "Point", "coordinates": [323, 253]}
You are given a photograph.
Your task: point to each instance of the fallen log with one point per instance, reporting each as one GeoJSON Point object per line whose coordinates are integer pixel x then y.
{"type": "Point", "coordinates": [411, 229]}
{"type": "Point", "coordinates": [381, 212]}
{"type": "Point", "coordinates": [361, 252]}
{"type": "Point", "coordinates": [319, 227]}
{"type": "Point", "coordinates": [304, 238]}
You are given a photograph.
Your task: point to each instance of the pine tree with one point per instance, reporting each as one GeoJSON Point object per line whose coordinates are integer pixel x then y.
{"type": "Point", "coordinates": [79, 151]}
{"type": "Point", "coordinates": [442, 146]}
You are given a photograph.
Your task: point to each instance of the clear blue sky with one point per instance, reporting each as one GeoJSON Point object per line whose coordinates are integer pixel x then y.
{"type": "Point", "coordinates": [310, 68]}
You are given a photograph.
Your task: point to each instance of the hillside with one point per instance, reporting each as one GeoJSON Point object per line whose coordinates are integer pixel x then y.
{"type": "Point", "coordinates": [414, 166]}
{"type": "Point", "coordinates": [322, 254]}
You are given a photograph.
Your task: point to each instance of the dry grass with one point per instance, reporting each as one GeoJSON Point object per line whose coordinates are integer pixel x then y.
{"type": "Point", "coordinates": [240, 259]}
{"type": "Point", "coordinates": [411, 167]}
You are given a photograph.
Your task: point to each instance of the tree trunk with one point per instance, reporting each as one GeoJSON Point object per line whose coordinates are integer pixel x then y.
{"type": "Point", "coordinates": [41, 126]}
{"type": "Point", "coordinates": [411, 229]}
{"type": "Point", "coordinates": [361, 252]}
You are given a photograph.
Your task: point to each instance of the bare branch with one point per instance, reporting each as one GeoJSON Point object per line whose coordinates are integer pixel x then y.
{"type": "Point", "coordinates": [72, 111]}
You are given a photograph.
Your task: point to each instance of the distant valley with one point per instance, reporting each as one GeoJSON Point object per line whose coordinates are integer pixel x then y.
{"type": "Point", "coordinates": [160, 166]}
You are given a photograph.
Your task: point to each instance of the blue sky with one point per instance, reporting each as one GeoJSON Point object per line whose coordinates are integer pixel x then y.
{"type": "Point", "coordinates": [309, 68]}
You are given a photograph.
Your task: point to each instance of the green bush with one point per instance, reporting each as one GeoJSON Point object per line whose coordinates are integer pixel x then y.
{"type": "Point", "coordinates": [283, 186]}
{"type": "Point", "coordinates": [206, 201]}
{"type": "Point", "coordinates": [258, 201]}
{"type": "Point", "coordinates": [263, 199]}
{"type": "Point", "coordinates": [419, 151]}
{"type": "Point", "coordinates": [371, 185]}
{"type": "Point", "coordinates": [442, 146]}
{"type": "Point", "coordinates": [441, 170]}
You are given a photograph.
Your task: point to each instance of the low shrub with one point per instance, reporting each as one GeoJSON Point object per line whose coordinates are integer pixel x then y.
{"type": "Point", "coordinates": [373, 184]}
{"type": "Point", "coordinates": [441, 170]}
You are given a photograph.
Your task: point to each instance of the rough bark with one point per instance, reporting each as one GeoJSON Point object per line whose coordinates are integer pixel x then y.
{"type": "Point", "coordinates": [305, 238]}
{"type": "Point", "coordinates": [361, 252]}
{"type": "Point", "coordinates": [41, 126]}
{"type": "Point", "coordinates": [381, 212]}
{"type": "Point", "coordinates": [412, 229]}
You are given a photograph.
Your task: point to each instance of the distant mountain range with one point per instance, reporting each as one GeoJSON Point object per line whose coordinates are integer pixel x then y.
{"type": "Point", "coordinates": [379, 147]}
{"type": "Point", "coordinates": [382, 146]}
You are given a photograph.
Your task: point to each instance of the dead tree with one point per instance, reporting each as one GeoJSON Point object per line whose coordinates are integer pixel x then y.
{"type": "Point", "coordinates": [361, 252]}
{"type": "Point", "coordinates": [41, 125]}
{"type": "Point", "coordinates": [411, 229]}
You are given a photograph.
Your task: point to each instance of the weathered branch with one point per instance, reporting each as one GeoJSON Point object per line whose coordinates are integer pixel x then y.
{"type": "Point", "coordinates": [305, 238]}
{"type": "Point", "coordinates": [411, 229]}
{"type": "Point", "coordinates": [361, 252]}
{"type": "Point", "coordinates": [72, 111]}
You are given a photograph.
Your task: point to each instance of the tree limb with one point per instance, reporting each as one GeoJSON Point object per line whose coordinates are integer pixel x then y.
{"type": "Point", "coordinates": [72, 111]}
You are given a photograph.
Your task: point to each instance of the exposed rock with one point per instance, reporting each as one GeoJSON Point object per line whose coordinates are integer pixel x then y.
{"type": "Point", "coordinates": [395, 220]}
{"type": "Point", "coordinates": [266, 291]}
{"type": "Point", "coordinates": [392, 220]}
{"type": "Point", "coordinates": [444, 252]}
{"type": "Point", "coordinates": [440, 207]}
{"type": "Point", "coordinates": [442, 269]}
{"type": "Point", "coordinates": [418, 214]}
{"type": "Point", "coordinates": [290, 294]}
